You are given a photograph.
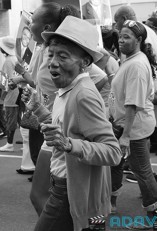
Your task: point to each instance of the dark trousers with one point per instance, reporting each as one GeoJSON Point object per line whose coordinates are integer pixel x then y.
{"type": "Point", "coordinates": [56, 215]}
{"type": "Point", "coordinates": [117, 171]}
{"type": "Point", "coordinates": [36, 140]}
{"type": "Point", "coordinates": [2, 119]}
{"type": "Point", "coordinates": [117, 175]}
{"type": "Point", "coordinates": [139, 161]}
{"type": "Point", "coordinates": [153, 140]}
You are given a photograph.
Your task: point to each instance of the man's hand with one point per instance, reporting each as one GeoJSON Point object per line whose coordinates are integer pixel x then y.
{"type": "Point", "coordinates": [125, 146]}
{"type": "Point", "coordinates": [55, 137]}
{"type": "Point", "coordinates": [30, 97]}
{"type": "Point", "coordinates": [11, 84]}
{"type": "Point", "coordinates": [19, 68]}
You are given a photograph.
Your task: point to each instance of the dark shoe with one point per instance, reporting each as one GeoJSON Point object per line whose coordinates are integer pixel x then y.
{"type": "Point", "coordinates": [131, 178]}
{"type": "Point", "coordinates": [126, 170]}
{"type": "Point", "coordinates": [155, 175]}
{"type": "Point", "coordinates": [30, 179]}
{"type": "Point", "coordinates": [20, 171]}
{"type": "Point", "coordinates": [113, 204]}
{"type": "Point", "coordinates": [19, 142]}
{"type": "Point", "coordinates": [153, 149]}
{"type": "Point", "coordinates": [3, 135]}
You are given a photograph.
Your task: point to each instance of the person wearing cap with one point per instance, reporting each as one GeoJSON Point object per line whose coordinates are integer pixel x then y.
{"type": "Point", "coordinates": [131, 107]}
{"type": "Point", "coordinates": [7, 46]}
{"type": "Point", "coordinates": [82, 140]}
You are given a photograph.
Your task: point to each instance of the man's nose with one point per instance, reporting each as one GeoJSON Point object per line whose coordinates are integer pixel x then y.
{"type": "Point", "coordinates": [53, 62]}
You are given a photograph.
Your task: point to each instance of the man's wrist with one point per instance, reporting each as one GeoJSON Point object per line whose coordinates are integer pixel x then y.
{"type": "Point", "coordinates": [110, 75]}
{"type": "Point", "coordinates": [69, 148]}
{"type": "Point", "coordinates": [36, 106]}
{"type": "Point", "coordinates": [70, 151]}
{"type": "Point", "coordinates": [23, 73]}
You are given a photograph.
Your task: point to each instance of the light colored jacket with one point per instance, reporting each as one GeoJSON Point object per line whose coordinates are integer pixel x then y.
{"type": "Point", "coordinates": [91, 135]}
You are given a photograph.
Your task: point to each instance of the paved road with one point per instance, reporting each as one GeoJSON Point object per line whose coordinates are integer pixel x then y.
{"type": "Point", "coordinates": [16, 210]}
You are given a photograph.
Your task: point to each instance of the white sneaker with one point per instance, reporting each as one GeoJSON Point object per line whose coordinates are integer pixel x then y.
{"type": "Point", "coordinates": [7, 148]}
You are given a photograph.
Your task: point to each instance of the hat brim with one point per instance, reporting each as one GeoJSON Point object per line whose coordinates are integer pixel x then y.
{"type": "Point", "coordinates": [6, 49]}
{"type": "Point", "coordinates": [96, 55]}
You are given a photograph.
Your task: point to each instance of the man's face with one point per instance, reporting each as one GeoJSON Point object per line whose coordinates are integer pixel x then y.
{"type": "Point", "coordinates": [64, 63]}
{"type": "Point", "coordinates": [150, 24]}
{"type": "Point", "coordinates": [26, 36]}
{"type": "Point", "coordinates": [119, 22]}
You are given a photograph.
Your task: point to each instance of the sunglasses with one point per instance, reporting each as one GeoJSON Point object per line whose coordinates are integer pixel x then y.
{"type": "Point", "coordinates": [131, 23]}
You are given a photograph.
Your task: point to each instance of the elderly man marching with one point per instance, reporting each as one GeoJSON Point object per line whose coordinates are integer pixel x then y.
{"type": "Point", "coordinates": [83, 144]}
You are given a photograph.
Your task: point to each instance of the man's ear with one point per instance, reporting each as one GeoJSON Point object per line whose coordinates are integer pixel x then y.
{"type": "Point", "coordinates": [86, 61]}
{"type": "Point", "coordinates": [124, 17]}
{"type": "Point", "coordinates": [47, 27]}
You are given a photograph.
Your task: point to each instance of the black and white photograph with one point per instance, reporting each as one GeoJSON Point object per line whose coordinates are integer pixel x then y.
{"type": "Point", "coordinates": [78, 115]}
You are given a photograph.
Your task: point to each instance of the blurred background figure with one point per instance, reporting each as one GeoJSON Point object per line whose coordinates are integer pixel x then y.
{"type": "Point", "coordinates": [23, 52]}
{"type": "Point", "coordinates": [97, 12]}
{"type": "Point", "coordinates": [7, 45]}
{"type": "Point", "coordinates": [152, 23]}
{"type": "Point", "coordinates": [2, 118]}
{"type": "Point", "coordinates": [110, 43]}
{"type": "Point", "coordinates": [27, 166]}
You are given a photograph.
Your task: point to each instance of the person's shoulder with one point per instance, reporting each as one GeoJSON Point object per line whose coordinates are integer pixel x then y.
{"type": "Point", "coordinates": [84, 8]}
{"type": "Point", "coordinates": [86, 4]}
{"type": "Point", "coordinates": [18, 40]}
{"type": "Point", "coordinates": [150, 33]}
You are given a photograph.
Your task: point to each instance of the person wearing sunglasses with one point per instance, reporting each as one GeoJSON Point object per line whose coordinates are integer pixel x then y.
{"type": "Point", "coordinates": [131, 107]}
{"type": "Point", "coordinates": [127, 13]}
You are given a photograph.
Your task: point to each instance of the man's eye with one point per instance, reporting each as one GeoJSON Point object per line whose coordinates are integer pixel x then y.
{"type": "Point", "coordinates": [62, 56]}
{"type": "Point", "coordinates": [50, 56]}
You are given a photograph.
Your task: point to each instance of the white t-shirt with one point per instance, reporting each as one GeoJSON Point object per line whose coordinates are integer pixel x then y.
{"type": "Point", "coordinates": [133, 85]}
{"type": "Point", "coordinates": [155, 106]}
{"type": "Point", "coordinates": [151, 38]}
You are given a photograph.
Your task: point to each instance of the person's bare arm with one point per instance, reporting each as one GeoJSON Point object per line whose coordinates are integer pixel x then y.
{"type": "Point", "coordinates": [25, 74]}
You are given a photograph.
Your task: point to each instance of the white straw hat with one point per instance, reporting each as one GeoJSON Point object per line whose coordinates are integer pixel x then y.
{"type": "Point", "coordinates": [7, 43]}
{"type": "Point", "coordinates": [79, 31]}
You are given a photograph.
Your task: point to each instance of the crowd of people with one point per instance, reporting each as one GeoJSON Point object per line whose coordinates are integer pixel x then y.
{"type": "Point", "coordinates": [96, 107]}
